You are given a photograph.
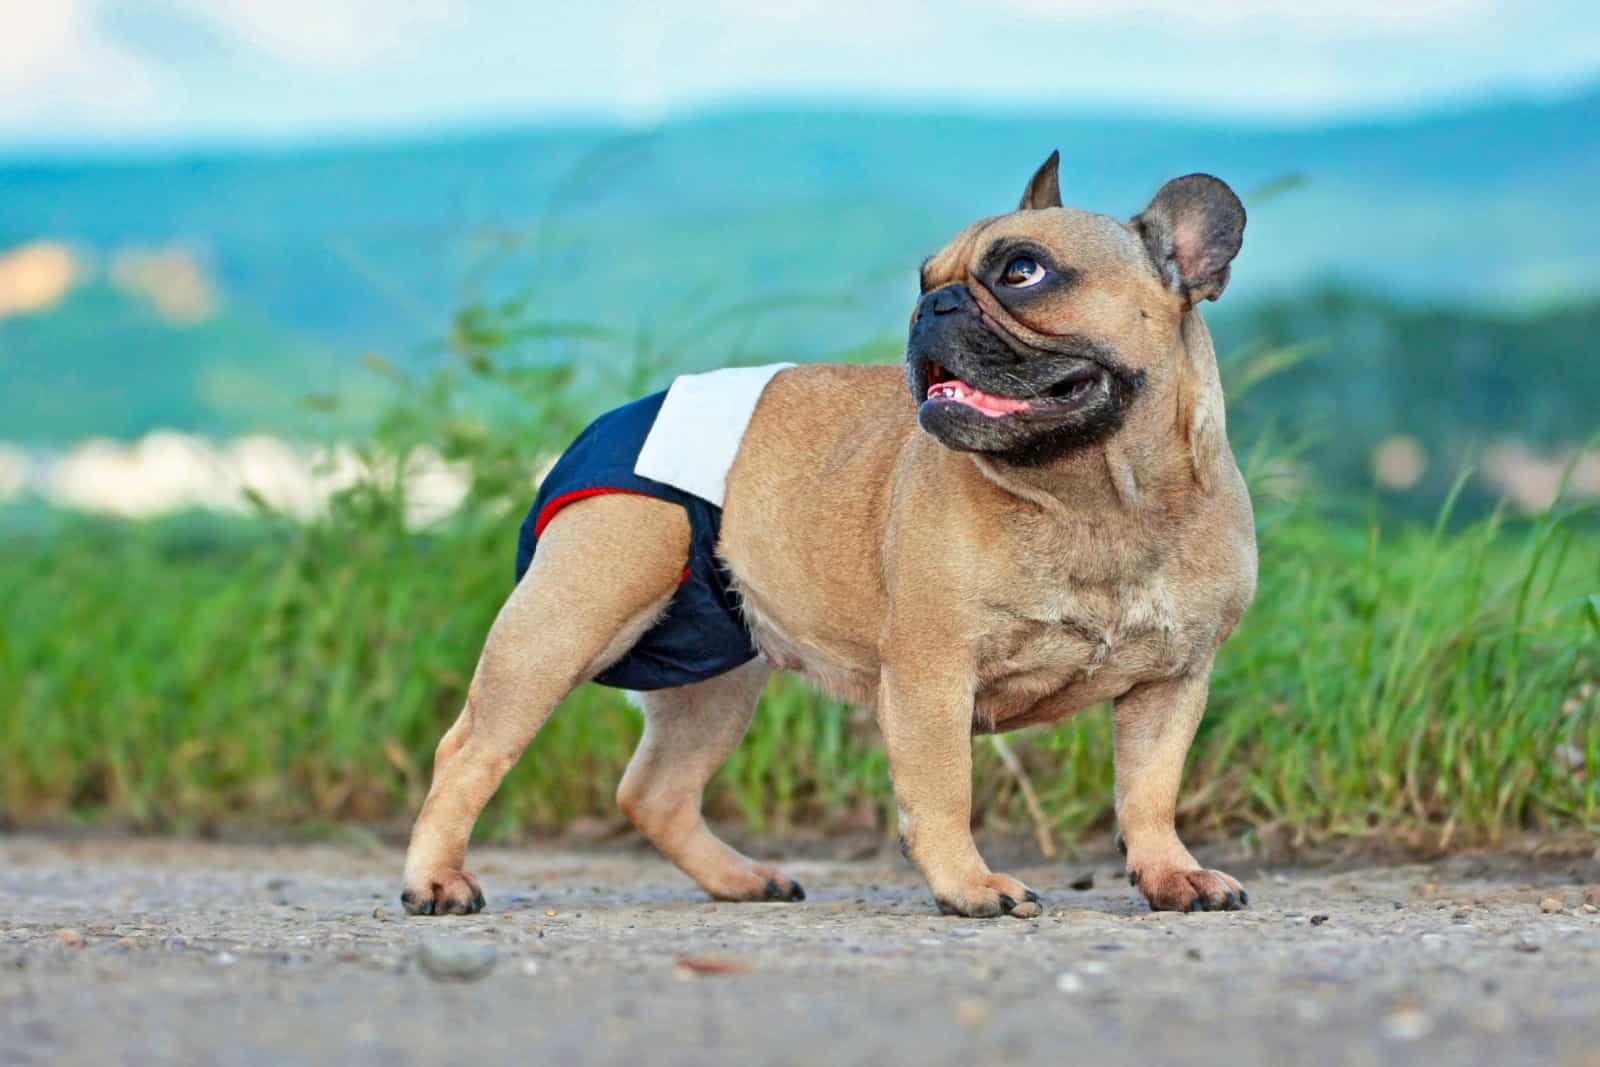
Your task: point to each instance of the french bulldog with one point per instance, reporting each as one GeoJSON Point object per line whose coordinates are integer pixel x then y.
{"type": "Point", "coordinates": [1039, 512]}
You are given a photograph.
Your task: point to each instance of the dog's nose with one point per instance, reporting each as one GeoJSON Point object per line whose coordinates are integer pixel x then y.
{"type": "Point", "coordinates": [944, 300]}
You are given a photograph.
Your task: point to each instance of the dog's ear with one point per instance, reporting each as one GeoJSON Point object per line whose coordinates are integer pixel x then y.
{"type": "Point", "coordinates": [1044, 188]}
{"type": "Point", "coordinates": [1193, 229]}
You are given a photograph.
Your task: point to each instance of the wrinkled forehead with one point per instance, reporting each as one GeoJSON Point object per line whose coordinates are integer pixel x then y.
{"type": "Point", "coordinates": [1078, 240]}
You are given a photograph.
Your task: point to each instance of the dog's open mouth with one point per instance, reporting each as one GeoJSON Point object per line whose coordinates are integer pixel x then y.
{"type": "Point", "coordinates": [1065, 395]}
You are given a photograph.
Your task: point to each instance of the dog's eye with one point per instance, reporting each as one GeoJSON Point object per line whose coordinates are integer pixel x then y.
{"type": "Point", "coordinates": [1022, 272]}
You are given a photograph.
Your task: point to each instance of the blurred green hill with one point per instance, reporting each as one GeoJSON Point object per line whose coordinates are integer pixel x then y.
{"type": "Point", "coordinates": [1436, 265]}
{"type": "Point", "coordinates": [105, 362]}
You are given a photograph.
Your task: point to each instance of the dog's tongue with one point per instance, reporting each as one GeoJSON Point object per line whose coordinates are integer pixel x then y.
{"type": "Point", "coordinates": [984, 403]}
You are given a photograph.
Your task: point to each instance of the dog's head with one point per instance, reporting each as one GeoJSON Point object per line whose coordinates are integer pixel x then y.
{"type": "Point", "coordinates": [1038, 331]}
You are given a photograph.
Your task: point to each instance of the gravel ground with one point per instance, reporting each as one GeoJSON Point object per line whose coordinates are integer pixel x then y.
{"type": "Point", "coordinates": [137, 951]}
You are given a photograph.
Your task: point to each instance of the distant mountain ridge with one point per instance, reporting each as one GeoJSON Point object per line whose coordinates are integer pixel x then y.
{"type": "Point", "coordinates": [812, 222]}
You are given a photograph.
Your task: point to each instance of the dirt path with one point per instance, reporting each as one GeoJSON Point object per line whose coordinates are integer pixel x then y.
{"type": "Point", "coordinates": [144, 951]}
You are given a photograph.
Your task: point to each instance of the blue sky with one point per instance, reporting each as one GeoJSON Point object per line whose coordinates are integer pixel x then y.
{"type": "Point", "coordinates": [88, 71]}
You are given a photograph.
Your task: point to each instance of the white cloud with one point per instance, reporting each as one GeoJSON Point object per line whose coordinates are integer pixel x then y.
{"type": "Point", "coordinates": [1346, 16]}
{"type": "Point", "coordinates": [57, 67]}
{"type": "Point", "coordinates": [332, 36]}
{"type": "Point", "coordinates": [271, 68]}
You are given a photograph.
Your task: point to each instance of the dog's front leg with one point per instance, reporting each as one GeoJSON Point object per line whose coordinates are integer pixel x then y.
{"type": "Point", "coordinates": [927, 729]}
{"type": "Point", "coordinates": [1155, 724]}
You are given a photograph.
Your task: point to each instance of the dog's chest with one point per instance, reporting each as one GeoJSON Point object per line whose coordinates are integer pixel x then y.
{"type": "Point", "coordinates": [1081, 644]}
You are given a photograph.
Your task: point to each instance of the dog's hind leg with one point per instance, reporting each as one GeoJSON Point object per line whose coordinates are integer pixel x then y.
{"type": "Point", "coordinates": [689, 732]}
{"type": "Point", "coordinates": [605, 569]}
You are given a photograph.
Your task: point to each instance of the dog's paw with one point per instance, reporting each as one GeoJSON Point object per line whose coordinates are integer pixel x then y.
{"type": "Point", "coordinates": [757, 882]}
{"type": "Point", "coordinates": [1189, 890]}
{"type": "Point", "coordinates": [988, 897]}
{"type": "Point", "coordinates": [445, 892]}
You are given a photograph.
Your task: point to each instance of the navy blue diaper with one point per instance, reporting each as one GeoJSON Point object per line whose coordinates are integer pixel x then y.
{"type": "Point", "coordinates": [702, 633]}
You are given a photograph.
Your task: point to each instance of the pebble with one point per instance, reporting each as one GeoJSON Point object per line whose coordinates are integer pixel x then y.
{"type": "Point", "coordinates": [971, 1012]}
{"type": "Point", "coordinates": [380, 914]}
{"type": "Point", "coordinates": [711, 965]}
{"type": "Point", "coordinates": [224, 959]}
{"type": "Point", "coordinates": [1407, 1024]}
{"type": "Point", "coordinates": [1552, 905]}
{"type": "Point", "coordinates": [447, 959]}
{"type": "Point", "coordinates": [530, 967]}
{"type": "Point", "coordinates": [1067, 982]}
{"type": "Point", "coordinates": [70, 938]}
{"type": "Point", "coordinates": [1083, 882]}
{"type": "Point", "coordinates": [1592, 895]}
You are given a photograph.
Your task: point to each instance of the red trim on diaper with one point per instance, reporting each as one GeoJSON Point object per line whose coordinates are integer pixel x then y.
{"type": "Point", "coordinates": [548, 512]}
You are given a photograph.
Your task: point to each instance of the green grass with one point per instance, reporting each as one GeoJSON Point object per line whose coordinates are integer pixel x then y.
{"type": "Point", "coordinates": [1432, 686]}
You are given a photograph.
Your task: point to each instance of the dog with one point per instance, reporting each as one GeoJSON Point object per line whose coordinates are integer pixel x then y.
{"type": "Point", "coordinates": [1037, 513]}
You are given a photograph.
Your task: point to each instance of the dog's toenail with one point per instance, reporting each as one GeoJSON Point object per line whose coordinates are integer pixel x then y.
{"type": "Point", "coordinates": [1031, 897]}
{"type": "Point", "coordinates": [1197, 905]}
{"type": "Point", "coordinates": [1232, 901]}
{"type": "Point", "coordinates": [1244, 899]}
{"type": "Point", "coordinates": [1006, 903]}
{"type": "Point", "coordinates": [773, 892]}
{"type": "Point", "coordinates": [797, 891]}
{"type": "Point", "coordinates": [1133, 877]}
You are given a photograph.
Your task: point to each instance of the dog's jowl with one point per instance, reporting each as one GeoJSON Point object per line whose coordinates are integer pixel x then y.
{"type": "Point", "coordinates": [1037, 513]}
